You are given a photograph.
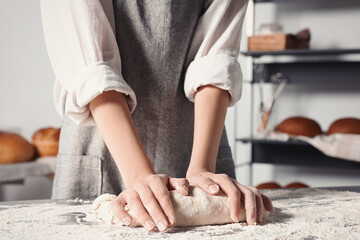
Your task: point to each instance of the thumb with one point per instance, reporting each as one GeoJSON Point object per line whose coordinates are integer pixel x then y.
{"type": "Point", "coordinates": [181, 185]}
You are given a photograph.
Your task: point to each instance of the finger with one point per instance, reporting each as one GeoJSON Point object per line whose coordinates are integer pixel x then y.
{"type": "Point", "coordinates": [154, 209]}
{"type": "Point", "coordinates": [267, 203]}
{"type": "Point", "coordinates": [164, 178]}
{"type": "Point", "coordinates": [205, 183]}
{"type": "Point", "coordinates": [162, 196]}
{"type": "Point", "coordinates": [117, 206]}
{"type": "Point", "coordinates": [135, 204]}
{"type": "Point", "coordinates": [259, 204]}
{"type": "Point", "coordinates": [249, 203]}
{"type": "Point", "coordinates": [181, 185]}
{"type": "Point", "coordinates": [231, 190]}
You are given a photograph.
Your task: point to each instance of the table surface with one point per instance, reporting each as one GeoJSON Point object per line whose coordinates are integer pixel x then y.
{"type": "Point", "coordinates": [343, 188]}
{"type": "Point", "coordinates": [335, 214]}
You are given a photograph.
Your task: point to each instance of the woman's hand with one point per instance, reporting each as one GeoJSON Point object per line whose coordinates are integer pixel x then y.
{"type": "Point", "coordinates": [211, 105]}
{"type": "Point", "coordinates": [149, 199]}
{"type": "Point", "coordinates": [253, 199]}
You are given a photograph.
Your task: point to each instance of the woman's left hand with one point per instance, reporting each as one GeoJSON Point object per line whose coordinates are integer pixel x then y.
{"type": "Point", "coordinates": [253, 199]}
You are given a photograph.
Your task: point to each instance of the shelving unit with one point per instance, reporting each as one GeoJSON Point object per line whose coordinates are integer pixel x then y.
{"type": "Point", "coordinates": [294, 153]}
{"type": "Point", "coordinates": [329, 70]}
{"type": "Point", "coordinates": [302, 52]}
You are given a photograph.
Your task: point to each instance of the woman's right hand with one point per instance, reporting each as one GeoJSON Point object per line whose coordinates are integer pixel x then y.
{"type": "Point", "coordinates": [150, 201]}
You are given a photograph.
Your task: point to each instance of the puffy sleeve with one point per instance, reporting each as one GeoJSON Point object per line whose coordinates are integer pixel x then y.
{"type": "Point", "coordinates": [81, 43]}
{"type": "Point", "coordinates": [213, 53]}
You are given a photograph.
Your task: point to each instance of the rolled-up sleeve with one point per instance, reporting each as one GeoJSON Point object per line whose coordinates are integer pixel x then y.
{"type": "Point", "coordinates": [81, 44]}
{"type": "Point", "coordinates": [213, 53]}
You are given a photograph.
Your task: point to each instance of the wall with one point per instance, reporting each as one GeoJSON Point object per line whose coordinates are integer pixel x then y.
{"type": "Point", "coordinates": [27, 79]}
{"type": "Point", "coordinates": [332, 25]}
{"type": "Point", "coordinates": [26, 76]}
{"type": "Point", "coordinates": [26, 83]}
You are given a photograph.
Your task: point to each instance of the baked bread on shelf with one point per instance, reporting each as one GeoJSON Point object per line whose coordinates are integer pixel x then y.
{"type": "Point", "coordinates": [275, 185]}
{"type": "Point", "coordinates": [15, 149]}
{"type": "Point", "coordinates": [299, 126]}
{"type": "Point", "coordinates": [269, 185]}
{"type": "Point", "coordinates": [345, 126]}
{"type": "Point", "coordinates": [46, 141]}
{"type": "Point", "coordinates": [296, 185]}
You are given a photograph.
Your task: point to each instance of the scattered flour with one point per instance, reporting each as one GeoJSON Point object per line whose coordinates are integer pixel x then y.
{"type": "Point", "coordinates": [299, 214]}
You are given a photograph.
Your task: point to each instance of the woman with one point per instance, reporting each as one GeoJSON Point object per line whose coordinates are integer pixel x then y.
{"type": "Point", "coordinates": [179, 69]}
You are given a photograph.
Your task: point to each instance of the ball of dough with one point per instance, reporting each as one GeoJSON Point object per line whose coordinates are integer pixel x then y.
{"type": "Point", "coordinates": [345, 126]}
{"type": "Point", "coordinates": [299, 126]}
{"type": "Point", "coordinates": [46, 141]}
{"type": "Point", "coordinates": [196, 209]}
{"type": "Point", "coordinates": [14, 148]}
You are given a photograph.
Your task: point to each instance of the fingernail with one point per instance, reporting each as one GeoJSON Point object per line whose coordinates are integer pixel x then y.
{"type": "Point", "coordinates": [126, 208]}
{"type": "Point", "coordinates": [126, 220]}
{"type": "Point", "coordinates": [235, 217]}
{"type": "Point", "coordinates": [253, 219]}
{"type": "Point", "coordinates": [149, 225]}
{"type": "Point", "coordinates": [184, 190]}
{"type": "Point", "coordinates": [171, 219]}
{"type": "Point", "coordinates": [213, 188]}
{"type": "Point", "coordinates": [272, 208]}
{"type": "Point", "coordinates": [161, 226]}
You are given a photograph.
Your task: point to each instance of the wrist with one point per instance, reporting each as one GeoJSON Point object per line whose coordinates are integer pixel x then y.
{"type": "Point", "coordinates": [192, 170]}
{"type": "Point", "coordinates": [201, 163]}
{"type": "Point", "coordinates": [136, 176]}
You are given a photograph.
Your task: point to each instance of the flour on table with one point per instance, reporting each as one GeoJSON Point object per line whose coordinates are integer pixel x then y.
{"type": "Point", "coordinates": [299, 214]}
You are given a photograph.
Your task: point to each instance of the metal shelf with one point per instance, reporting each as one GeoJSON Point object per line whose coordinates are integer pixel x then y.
{"type": "Point", "coordinates": [271, 141]}
{"type": "Point", "coordinates": [320, 73]}
{"type": "Point", "coordinates": [291, 1]}
{"type": "Point", "coordinates": [295, 153]}
{"type": "Point", "coordinates": [302, 52]}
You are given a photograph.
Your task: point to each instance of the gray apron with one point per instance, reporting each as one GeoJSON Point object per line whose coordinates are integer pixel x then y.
{"type": "Point", "coordinates": [153, 39]}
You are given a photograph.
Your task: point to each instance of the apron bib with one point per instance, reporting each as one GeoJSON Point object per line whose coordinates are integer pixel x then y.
{"type": "Point", "coordinates": [153, 39]}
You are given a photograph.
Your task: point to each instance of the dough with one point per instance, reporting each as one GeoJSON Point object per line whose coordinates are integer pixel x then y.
{"type": "Point", "coordinates": [196, 209]}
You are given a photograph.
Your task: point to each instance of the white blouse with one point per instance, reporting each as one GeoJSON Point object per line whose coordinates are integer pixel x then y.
{"type": "Point", "coordinates": [81, 44]}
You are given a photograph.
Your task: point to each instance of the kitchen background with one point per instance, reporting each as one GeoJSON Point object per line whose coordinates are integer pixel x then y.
{"type": "Point", "coordinates": [26, 103]}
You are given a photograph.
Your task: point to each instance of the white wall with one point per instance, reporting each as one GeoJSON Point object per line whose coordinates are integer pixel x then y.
{"type": "Point", "coordinates": [27, 78]}
{"type": "Point", "coordinates": [26, 83]}
{"type": "Point", "coordinates": [332, 25]}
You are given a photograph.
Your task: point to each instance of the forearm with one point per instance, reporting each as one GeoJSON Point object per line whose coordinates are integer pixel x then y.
{"type": "Point", "coordinates": [113, 118]}
{"type": "Point", "coordinates": [210, 111]}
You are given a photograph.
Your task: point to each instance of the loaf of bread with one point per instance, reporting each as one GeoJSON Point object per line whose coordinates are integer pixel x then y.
{"type": "Point", "coordinates": [296, 185]}
{"type": "Point", "coordinates": [46, 141]}
{"type": "Point", "coordinates": [268, 185]}
{"type": "Point", "coordinates": [345, 126]}
{"type": "Point", "coordinates": [299, 126]}
{"type": "Point", "coordinates": [15, 149]}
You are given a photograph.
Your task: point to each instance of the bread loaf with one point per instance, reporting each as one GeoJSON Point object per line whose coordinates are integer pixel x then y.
{"type": "Point", "coordinates": [296, 185]}
{"type": "Point", "coordinates": [15, 149]}
{"type": "Point", "coordinates": [46, 141]}
{"type": "Point", "coordinates": [268, 185]}
{"type": "Point", "coordinates": [345, 126]}
{"type": "Point", "coordinates": [299, 126]}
